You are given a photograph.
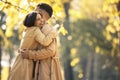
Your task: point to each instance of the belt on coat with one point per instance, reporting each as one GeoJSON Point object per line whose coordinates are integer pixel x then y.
{"type": "Point", "coordinates": [53, 59]}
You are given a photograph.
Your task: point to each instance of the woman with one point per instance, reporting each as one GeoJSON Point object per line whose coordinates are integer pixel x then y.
{"type": "Point", "coordinates": [32, 37]}
{"type": "Point", "coordinates": [47, 58]}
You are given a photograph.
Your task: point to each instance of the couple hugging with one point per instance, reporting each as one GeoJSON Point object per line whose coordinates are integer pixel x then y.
{"type": "Point", "coordinates": [37, 57]}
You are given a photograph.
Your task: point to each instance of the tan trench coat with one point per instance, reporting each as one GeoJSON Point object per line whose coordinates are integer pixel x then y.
{"type": "Point", "coordinates": [47, 67]}
{"type": "Point", "coordinates": [48, 64]}
{"type": "Point", "coordinates": [32, 37]}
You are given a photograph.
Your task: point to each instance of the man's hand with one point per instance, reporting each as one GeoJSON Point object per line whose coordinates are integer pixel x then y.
{"type": "Point", "coordinates": [25, 53]}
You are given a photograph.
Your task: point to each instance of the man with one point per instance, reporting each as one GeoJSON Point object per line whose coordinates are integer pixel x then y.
{"type": "Point", "coordinates": [46, 59]}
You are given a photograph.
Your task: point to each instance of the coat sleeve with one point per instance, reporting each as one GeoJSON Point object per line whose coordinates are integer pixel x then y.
{"type": "Point", "coordinates": [44, 40]}
{"type": "Point", "coordinates": [43, 53]}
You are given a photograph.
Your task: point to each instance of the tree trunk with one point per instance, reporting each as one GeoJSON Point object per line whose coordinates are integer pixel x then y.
{"type": "Point", "coordinates": [0, 61]}
{"type": "Point", "coordinates": [119, 56]}
{"type": "Point", "coordinates": [67, 68]}
{"type": "Point", "coordinates": [88, 67]}
{"type": "Point", "coordinates": [96, 67]}
{"type": "Point", "coordinates": [118, 8]}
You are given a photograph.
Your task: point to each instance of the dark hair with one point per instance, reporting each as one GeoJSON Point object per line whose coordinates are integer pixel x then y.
{"type": "Point", "coordinates": [29, 20]}
{"type": "Point", "coordinates": [46, 7]}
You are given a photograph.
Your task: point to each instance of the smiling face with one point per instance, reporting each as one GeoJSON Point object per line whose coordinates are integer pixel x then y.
{"type": "Point", "coordinates": [39, 21]}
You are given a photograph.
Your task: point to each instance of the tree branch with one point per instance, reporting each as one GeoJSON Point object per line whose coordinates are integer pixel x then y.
{"type": "Point", "coordinates": [9, 3]}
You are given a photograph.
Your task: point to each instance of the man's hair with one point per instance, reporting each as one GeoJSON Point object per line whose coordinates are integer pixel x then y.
{"type": "Point", "coordinates": [29, 20]}
{"type": "Point", "coordinates": [46, 7]}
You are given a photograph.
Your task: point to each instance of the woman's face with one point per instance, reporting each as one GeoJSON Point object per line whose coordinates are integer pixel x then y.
{"type": "Point", "coordinates": [39, 21]}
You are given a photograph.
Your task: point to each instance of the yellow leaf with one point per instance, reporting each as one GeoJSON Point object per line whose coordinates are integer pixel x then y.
{"type": "Point", "coordinates": [63, 30]}
{"type": "Point", "coordinates": [115, 41]}
{"type": "Point", "coordinates": [58, 11]}
{"type": "Point", "coordinates": [28, 1]}
{"type": "Point", "coordinates": [116, 23]}
{"type": "Point", "coordinates": [75, 61]}
{"type": "Point", "coordinates": [2, 5]}
{"type": "Point", "coordinates": [5, 72]}
{"type": "Point", "coordinates": [15, 2]}
{"type": "Point", "coordinates": [65, 1]}
{"type": "Point", "coordinates": [97, 49]}
{"type": "Point", "coordinates": [73, 52]}
{"type": "Point", "coordinates": [9, 32]}
{"type": "Point", "coordinates": [108, 36]}
{"type": "Point", "coordinates": [80, 75]}
{"type": "Point", "coordinates": [110, 28]}
{"type": "Point", "coordinates": [1, 33]}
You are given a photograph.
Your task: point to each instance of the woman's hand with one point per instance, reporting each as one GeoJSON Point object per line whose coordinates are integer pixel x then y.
{"type": "Point", "coordinates": [25, 53]}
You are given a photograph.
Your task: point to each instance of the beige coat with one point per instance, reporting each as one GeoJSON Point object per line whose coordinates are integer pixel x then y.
{"type": "Point", "coordinates": [32, 37]}
{"type": "Point", "coordinates": [48, 64]}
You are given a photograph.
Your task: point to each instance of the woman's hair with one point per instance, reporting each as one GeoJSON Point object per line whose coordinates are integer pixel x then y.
{"type": "Point", "coordinates": [30, 18]}
{"type": "Point", "coordinates": [46, 7]}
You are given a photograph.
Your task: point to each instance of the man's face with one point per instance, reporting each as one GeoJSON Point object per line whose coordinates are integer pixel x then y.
{"type": "Point", "coordinates": [45, 15]}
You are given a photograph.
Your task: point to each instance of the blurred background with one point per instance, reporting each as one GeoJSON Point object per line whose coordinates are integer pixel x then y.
{"type": "Point", "coordinates": [89, 38]}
